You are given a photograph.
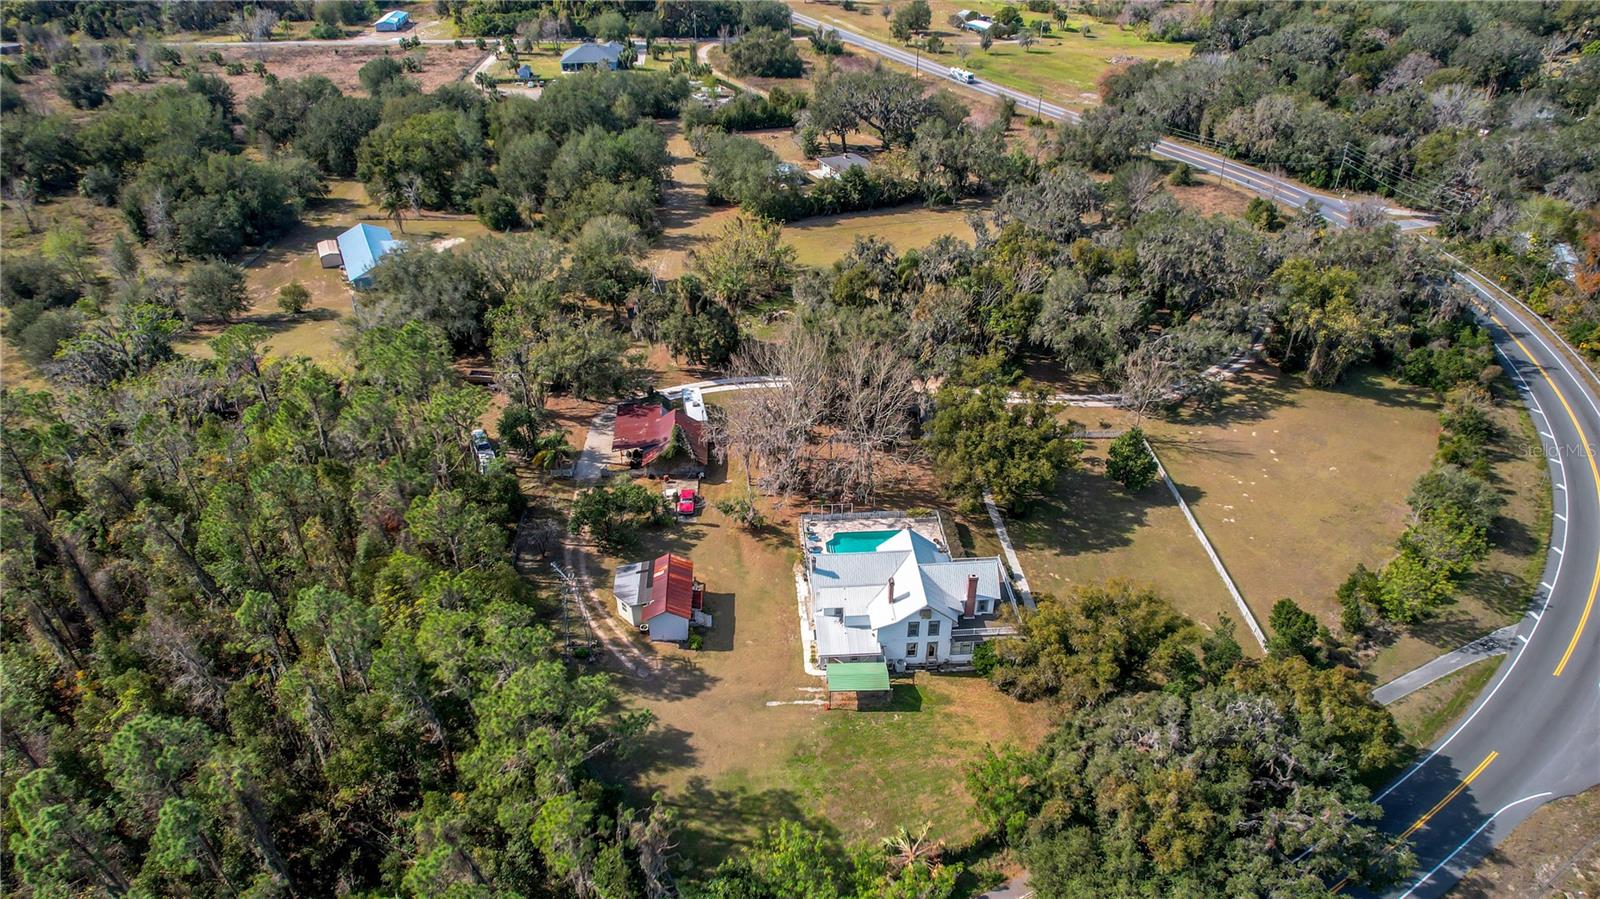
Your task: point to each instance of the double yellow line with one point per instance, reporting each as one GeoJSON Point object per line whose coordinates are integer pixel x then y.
{"type": "Point", "coordinates": [1422, 821]}
{"type": "Point", "coordinates": [1594, 472]}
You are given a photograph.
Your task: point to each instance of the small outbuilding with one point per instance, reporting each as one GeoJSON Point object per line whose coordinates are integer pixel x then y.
{"type": "Point", "coordinates": [328, 253]}
{"type": "Point", "coordinates": [859, 685]}
{"type": "Point", "coordinates": [524, 72]}
{"type": "Point", "coordinates": [394, 20]}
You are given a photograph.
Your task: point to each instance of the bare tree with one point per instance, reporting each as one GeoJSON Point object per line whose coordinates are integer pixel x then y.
{"type": "Point", "coordinates": [159, 223]}
{"type": "Point", "coordinates": [411, 189]}
{"type": "Point", "coordinates": [24, 196]}
{"type": "Point", "coordinates": [257, 26]}
{"type": "Point", "coordinates": [824, 428]}
{"type": "Point", "coordinates": [1150, 377]}
{"type": "Point", "coordinates": [1368, 215]}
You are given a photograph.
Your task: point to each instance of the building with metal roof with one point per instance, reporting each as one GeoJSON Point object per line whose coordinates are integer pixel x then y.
{"type": "Point", "coordinates": [394, 20]}
{"type": "Point", "coordinates": [361, 248]}
{"type": "Point", "coordinates": [607, 55]}
{"type": "Point", "coordinates": [896, 596]}
{"type": "Point", "coordinates": [661, 597]}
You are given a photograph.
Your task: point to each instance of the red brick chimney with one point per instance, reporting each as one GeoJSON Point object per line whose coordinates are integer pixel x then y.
{"type": "Point", "coordinates": [970, 607]}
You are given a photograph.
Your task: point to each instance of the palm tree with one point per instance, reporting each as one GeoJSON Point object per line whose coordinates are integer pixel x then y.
{"type": "Point", "coordinates": [907, 849]}
{"type": "Point", "coordinates": [550, 451]}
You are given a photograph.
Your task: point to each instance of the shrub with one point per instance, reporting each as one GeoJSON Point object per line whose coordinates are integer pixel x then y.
{"type": "Point", "coordinates": [496, 211]}
{"type": "Point", "coordinates": [1129, 462]}
{"type": "Point", "coordinates": [293, 298]}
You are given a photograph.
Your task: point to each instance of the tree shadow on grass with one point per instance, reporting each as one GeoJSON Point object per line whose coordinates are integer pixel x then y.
{"type": "Point", "coordinates": [1088, 512]}
{"type": "Point", "coordinates": [1255, 395]}
{"type": "Point", "coordinates": [715, 825]}
{"type": "Point", "coordinates": [1449, 629]}
{"type": "Point", "coordinates": [659, 749]}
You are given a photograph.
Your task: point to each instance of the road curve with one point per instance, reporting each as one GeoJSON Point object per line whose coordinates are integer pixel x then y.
{"type": "Point", "coordinates": [1534, 733]}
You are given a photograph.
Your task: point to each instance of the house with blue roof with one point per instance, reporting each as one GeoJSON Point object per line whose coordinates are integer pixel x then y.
{"type": "Point", "coordinates": [361, 248]}
{"type": "Point", "coordinates": [592, 56]}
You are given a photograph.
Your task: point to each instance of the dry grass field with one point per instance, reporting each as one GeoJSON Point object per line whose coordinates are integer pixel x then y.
{"type": "Point", "coordinates": [1092, 530]}
{"type": "Point", "coordinates": [1064, 65]}
{"type": "Point", "coordinates": [1295, 486]}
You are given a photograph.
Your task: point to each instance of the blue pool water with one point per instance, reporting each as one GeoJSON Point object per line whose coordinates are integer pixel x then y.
{"type": "Point", "coordinates": [858, 541]}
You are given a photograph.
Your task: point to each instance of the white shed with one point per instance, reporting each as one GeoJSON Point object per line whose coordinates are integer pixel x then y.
{"type": "Point", "coordinates": [328, 254]}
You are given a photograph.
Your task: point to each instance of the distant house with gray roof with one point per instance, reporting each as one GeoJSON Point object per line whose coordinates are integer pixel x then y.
{"type": "Point", "coordinates": [606, 55]}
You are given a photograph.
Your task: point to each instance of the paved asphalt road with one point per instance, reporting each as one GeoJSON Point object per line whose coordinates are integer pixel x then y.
{"type": "Point", "coordinates": [1534, 734]}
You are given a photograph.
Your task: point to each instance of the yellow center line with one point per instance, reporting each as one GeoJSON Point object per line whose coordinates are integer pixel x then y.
{"type": "Point", "coordinates": [1439, 806]}
{"type": "Point", "coordinates": [1594, 471]}
{"type": "Point", "coordinates": [1465, 782]}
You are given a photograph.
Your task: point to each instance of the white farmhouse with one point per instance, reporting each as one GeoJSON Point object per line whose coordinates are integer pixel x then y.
{"type": "Point", "coordinates": [897, 595]}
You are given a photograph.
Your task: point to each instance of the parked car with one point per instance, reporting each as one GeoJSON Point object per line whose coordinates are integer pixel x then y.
{"type": "Point", "coordinates": [688, 502]}
{"type": "Point", "coordinates": [483, 448]}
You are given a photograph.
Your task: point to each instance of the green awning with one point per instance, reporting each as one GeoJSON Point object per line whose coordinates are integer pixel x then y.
{"type": "Point", "coordinates": [857, 676]}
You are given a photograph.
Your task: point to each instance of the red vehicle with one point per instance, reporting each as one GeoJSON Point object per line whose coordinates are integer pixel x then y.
{"type": "Point", "coordinates": [687, 501]}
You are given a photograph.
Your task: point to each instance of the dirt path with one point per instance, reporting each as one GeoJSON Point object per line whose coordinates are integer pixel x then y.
{"type": "Point", "coordinates": [592, 608]}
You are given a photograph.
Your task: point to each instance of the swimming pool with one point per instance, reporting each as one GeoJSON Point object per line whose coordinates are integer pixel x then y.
{"type": "Point", "coordinates": [857, 541]}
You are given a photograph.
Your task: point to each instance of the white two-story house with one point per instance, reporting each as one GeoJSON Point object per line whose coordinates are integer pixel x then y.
{"type": "Point", "coordinates": [895, 595]}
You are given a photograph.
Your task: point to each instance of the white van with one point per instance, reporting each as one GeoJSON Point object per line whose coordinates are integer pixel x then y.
{"type": "Point", "coordinates": [962, 75]}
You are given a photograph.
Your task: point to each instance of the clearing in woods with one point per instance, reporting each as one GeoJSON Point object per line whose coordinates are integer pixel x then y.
{"type": "Point", "coordinates": [730, 764]}
{"type": "Point", "coordinates": [293, 257]}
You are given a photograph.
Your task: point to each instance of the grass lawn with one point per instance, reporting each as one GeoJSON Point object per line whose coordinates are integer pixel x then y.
{"type": "Point", "coordinates": [1427, 714]}
{"type": "Point", "coordinates": [729, 763]}
{"type": "Point", "coordinates": [1295, 486]}
{"type": "Point", "coordinates": [1092, 530]}
{"type": "Point", "coordinates": [821, 240]}
{"type": "Point", "coordinates": [688, 223]}
{"type": "Point", "coordinates": [1064, 65]}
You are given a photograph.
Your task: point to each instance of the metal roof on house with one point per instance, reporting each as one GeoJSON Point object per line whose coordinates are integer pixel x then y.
{"type": "Point", "coordinates": [632, 584]}
{"type": "Point", "coordinates": [589, 53]}
{"type": "Point", "coordinates": [843, 162]}
{"type": "Point", "coordinates": [923, 578]}
{"type": "Point", "coordinates": [858, 676]}
{"type": "Point", "coordinates": [671, 588]}
{"type": "Point", "coordinates": [362, 246]}
{"type": "Point", "coordinates": [396, 17]}
{"type": "Point", "coordinates": [648, 426]}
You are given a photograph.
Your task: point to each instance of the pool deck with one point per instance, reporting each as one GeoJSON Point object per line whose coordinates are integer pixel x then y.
{"type": "Point", "coordinates": [817, 530]}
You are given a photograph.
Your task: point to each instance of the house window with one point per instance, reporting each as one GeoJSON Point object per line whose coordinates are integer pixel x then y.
{"type": "Point", "coordinates": [933, 628]}
{"type": "Point", "coordinates": [911, 650]}
{"type": "Point", "coordinates": [962, 648]}
{"type": "Point", "coordinates": [933, 651]}
{"type": "Point", "coordinates": [913, 628]}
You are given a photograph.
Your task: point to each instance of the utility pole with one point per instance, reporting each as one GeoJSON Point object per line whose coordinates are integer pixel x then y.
{"type": "Point", "coordinates": [572, 597]}
{"type": "Point", "coordinates": [1344, 152]}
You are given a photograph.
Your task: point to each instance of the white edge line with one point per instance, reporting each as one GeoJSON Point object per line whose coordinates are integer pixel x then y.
{"type": "Point", "coordinates": [1464, 843]}
{"type": "Point", "coordinates": [1516, 658]}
